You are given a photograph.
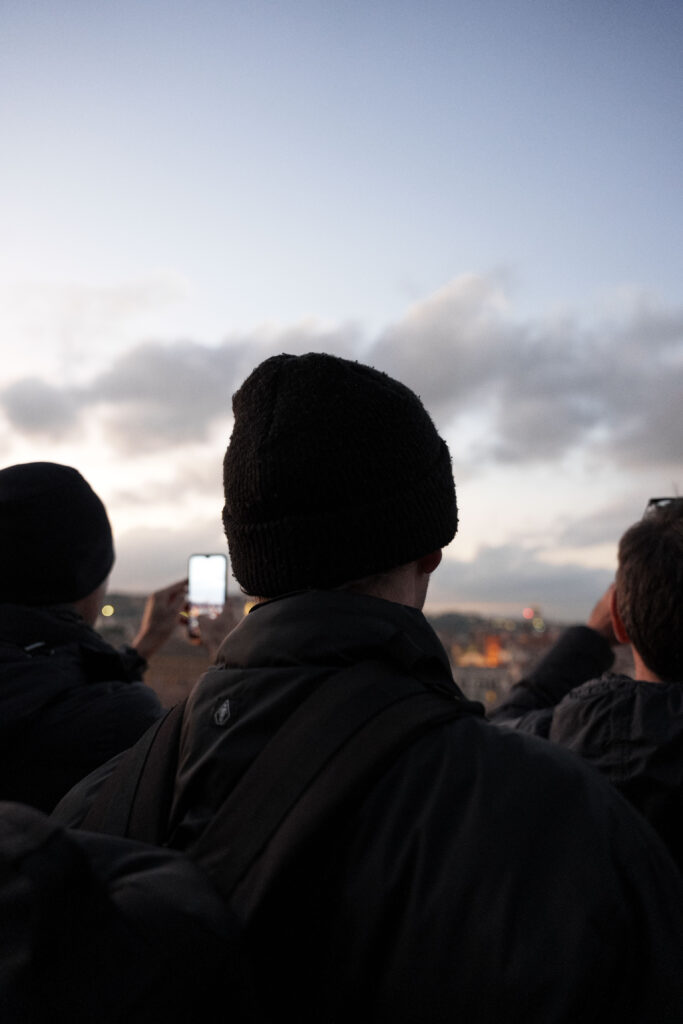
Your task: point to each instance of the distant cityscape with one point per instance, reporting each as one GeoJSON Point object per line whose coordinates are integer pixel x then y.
{"type": "Point", "coordinates": [488, 655]}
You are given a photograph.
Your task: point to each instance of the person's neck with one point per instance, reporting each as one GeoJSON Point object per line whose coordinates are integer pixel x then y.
{"type": "Point", "coordinates": [405, 585]}
{"type": "Point", "coordinates": [641, 670]}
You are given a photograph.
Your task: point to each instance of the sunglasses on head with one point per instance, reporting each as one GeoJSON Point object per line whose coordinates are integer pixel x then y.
{"type": "Point", "coordinates": [654, 504]}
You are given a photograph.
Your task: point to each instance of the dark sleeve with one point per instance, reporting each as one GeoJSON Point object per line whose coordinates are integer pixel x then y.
{"type": "Point", "coordinates": [102, 929]}
{"type": "Point", "coordinates": [73, 807]}
{"type": "Point", "coordinates": [134, 664]}
{"type": "Point", "coordinates": [579, 655]}
{"type": "Point", "coordinates": [87, 727]}
{"type": "Point", "coordinates": [555, 901]}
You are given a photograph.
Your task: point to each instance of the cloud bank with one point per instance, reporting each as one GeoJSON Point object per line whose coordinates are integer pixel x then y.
{"type": "Point", "coordinates": [507, 576]}
{"type": "Point", "coordinates": [504, 577]}
{"type": "Point", "coordinates": [507, 392]}
{"type": "Point", "coordinates": [543, 389]}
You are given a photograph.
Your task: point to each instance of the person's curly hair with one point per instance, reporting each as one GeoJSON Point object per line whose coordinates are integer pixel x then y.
{"type": "Point", "coordinates": [649, 589]}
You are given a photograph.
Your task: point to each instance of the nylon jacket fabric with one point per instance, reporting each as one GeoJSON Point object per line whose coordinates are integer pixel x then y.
{"type": "Point", "coordinates": [95, 928]}
{"type": "Point", "coordinates": [68, 702]}
{"type": "Point", "coordinates": [629, 729]}
{"type": "Point", "coordinates": [487, 876]}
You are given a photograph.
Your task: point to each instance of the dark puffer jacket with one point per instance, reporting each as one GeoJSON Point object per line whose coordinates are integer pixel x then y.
{"type": "Point", "coordinates": [68, 702]}
{"type": "Point", "coordinates": [486, 877]}
{"type": "Point", "coordinates": [629, 729]}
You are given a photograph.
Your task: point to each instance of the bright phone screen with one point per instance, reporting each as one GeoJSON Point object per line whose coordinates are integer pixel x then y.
{"type": "Point", "coordinates": [207, 581]}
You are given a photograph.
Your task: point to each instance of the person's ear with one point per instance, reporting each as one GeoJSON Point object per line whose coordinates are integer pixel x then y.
{"type": "Point", "coordinates": [428, 563]}
{"type": "Point", "coordinates": [617, 625]}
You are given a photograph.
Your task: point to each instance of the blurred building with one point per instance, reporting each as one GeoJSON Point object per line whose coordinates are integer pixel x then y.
{"type": "Point", "coordinates": [487, 655]}
{"type": "Point", "coordinates": [172, 671]}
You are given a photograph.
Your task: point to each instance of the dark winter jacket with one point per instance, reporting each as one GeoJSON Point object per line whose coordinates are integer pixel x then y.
{"type": "Point", "coordinates": [629, 729]}
{"type": "Point", "coordinates": [68, 702]}
{"type": "Point", "coordinates": [97, 930]}
{"type": "Point", "coordinates": [486, 877]}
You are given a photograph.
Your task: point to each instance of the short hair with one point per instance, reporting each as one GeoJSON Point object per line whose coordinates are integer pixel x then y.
{"type": "Point", "coordinates": [649, 589]}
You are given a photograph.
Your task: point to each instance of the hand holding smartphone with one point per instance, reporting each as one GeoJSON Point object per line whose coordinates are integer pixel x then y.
{"type": "Point", "coordinates": [206, 588]}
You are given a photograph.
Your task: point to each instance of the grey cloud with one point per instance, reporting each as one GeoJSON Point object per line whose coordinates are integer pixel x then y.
{"type": "Point", "coordinates": [462, 351]}
{"type": "Point", "coordinates": [192, 477]}
{"type": "Point", "coordinates": [35, 408]}
{"type": "Point", "coordinates": [450, 346]}
{"type": "Point", "coordinates": [168, 394]}
{"type": "Point", "coordinates": [621, 391]}
{"type": "Point", "coordinates": [605, 526]}
{"type": "Point", "coordinates": [151, 558]}
{"type": "Point", "coordinates": [548, 386]}
{"type": "Point", "coordinates": [159, 395]}
{"type": "Point", "coordinates": [544, 388]}
{"type": "Point", "coordinates": [649, 429]}
{"type": "Point", "coordinates": [508, 577]}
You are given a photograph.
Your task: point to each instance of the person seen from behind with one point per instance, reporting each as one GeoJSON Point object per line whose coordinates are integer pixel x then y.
{"type": "Point", "coordinates": [68, 700]}
{"type": "Point", "coordinates": [629, 727]}
{"type": "Point", "coordinates": [479, 874]}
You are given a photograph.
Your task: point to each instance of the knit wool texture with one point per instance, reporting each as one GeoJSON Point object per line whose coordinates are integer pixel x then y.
{"type": "Point", "coordinates": [334, 472]}
{"type": "Point", "coordinates": [55, 539]}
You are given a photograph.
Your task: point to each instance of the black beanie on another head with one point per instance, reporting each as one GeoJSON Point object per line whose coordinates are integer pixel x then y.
{"type": "Point", "coordinates": [334, 472]}
{"type": "Point", "coordinates": [55, 540]}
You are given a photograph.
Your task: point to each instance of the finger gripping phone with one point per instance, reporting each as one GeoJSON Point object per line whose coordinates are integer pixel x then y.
{"type": "Point", "coordinates": [206, 588]}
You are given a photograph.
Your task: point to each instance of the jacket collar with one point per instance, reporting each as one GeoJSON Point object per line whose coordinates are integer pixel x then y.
{"type": "Point", "coordinates": [57, 624]}
{"type": "Point", "coordinates": [335, 628]}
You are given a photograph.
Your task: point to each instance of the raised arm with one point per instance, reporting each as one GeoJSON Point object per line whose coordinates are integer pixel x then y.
{"type": "Point", "coordinates": [581, 653]}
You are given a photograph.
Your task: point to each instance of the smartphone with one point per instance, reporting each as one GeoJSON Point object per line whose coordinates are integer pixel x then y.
{"type": "Point", "coordinates": [206, 588]}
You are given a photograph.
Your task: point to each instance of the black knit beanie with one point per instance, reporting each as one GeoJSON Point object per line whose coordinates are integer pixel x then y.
{"type": "Point", "coordinates": [334, 472]}
{"type": "Point", "coordinates": [55, 540]}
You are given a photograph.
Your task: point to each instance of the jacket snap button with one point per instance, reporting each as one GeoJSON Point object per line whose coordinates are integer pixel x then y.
{"type": "Point", "coordinates": [222, 713]}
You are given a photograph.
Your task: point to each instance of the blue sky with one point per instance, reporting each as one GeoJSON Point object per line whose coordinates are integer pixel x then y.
{"type": "Point", "coordinates": [481, 198]}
